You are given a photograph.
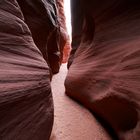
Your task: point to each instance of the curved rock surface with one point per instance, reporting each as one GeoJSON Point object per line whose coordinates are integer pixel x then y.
{"type": "Point", "coordinates": [72, 121]}
{"type": "Point", "coordinates": [26, 106]}
{"type": "Point", "coordinates": [42, 18]}
{"type": "Point", "coordinates": [105, 72]}
{"type": "Point", "coordinates": [64, 37]}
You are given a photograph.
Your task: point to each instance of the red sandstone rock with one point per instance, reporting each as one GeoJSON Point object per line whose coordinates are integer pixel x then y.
{"type": "Point", "coordinates": [42, 19]}
{"type": "Point", "coordinates": [26, 107]}
{"type": "Point", "coordinates": [66, 51]}
{"type": "Point", "coordinates": [105, 73]}
{"type": "Point", "coordinates": [64, 37]}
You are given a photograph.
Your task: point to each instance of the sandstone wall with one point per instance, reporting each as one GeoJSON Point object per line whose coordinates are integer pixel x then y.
{"type": "Point", "coordinates": [49, 33]}
{"type": "Point", "coordinates": [26, 105]}
{"type": "Point", "coordinates": [104, 66]}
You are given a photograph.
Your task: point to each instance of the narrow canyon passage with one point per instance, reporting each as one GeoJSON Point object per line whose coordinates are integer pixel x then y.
{"type": "Point", "coordinates": [72, 121]}
{"type": "Point", "coordinates": [40, 99]}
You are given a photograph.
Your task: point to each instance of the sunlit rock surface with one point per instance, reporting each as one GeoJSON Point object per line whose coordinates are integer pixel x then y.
{"type": "Point", "coordinates": [105, 72]}
{"type": "Point", "coordinates": [26, 108]}
{"type": "Point", "coordinates": [64, 37]}
{"type": "Point", "coordinates": [62, 23]}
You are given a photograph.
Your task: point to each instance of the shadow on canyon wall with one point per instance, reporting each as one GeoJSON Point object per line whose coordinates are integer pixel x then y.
{"type": "Point", "coordinates": [31, 50]}
{"type": "Point", "coordinates": [104, 65]}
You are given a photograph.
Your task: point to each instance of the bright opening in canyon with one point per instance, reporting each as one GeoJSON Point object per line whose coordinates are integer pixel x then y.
{"type": "Point", "coordinates": [68, 16]}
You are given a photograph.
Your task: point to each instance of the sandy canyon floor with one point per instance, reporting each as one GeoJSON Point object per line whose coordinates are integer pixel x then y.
{"type": "Point", "coordinates": [72, 121]}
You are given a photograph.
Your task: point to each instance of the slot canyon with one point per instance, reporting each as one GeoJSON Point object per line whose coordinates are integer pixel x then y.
{"type": "Point", "coordinates": [83, 85]}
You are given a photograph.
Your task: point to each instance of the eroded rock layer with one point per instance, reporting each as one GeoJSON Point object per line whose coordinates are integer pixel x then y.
{"type": "Point", "coordinates": [64, 37]}
{"type": "Point", "coordinates": [26, 106]}
{"type": "Point", "coordinates": [104, 73]}
{"type": "Point", "coordinates": [49, 33]}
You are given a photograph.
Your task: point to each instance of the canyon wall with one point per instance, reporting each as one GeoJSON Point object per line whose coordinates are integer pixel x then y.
{"type": "Point", "coordinates": [26, 104]}
{"type": "Point", "coordinates": [46, 22]}
{"type": "Point", "coordinates": [64, 37]}
{"type": "Point", "coordinates": [104, 65]}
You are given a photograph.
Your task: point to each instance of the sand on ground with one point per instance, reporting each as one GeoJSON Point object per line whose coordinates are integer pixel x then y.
{"type": "Point", "coordinates": [71, 120]}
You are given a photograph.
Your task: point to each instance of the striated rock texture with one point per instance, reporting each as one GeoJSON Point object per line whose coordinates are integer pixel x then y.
{"type": "Point", "coordinates": [105, 72]}
{"type": "Point", "coordinates": [64, 37]}
{"type": "Point", "coordinates": [42, 19]}
{"type": "Point", "coordinates": [62, 23]}
{"type": "Point", "coordinates": [26, 106]}
{"type": "Point", "coordinates": [77, 17]}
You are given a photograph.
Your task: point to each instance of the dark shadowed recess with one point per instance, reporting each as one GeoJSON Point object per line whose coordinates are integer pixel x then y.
{"type": "Point", "coordinates": [42, 19]}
